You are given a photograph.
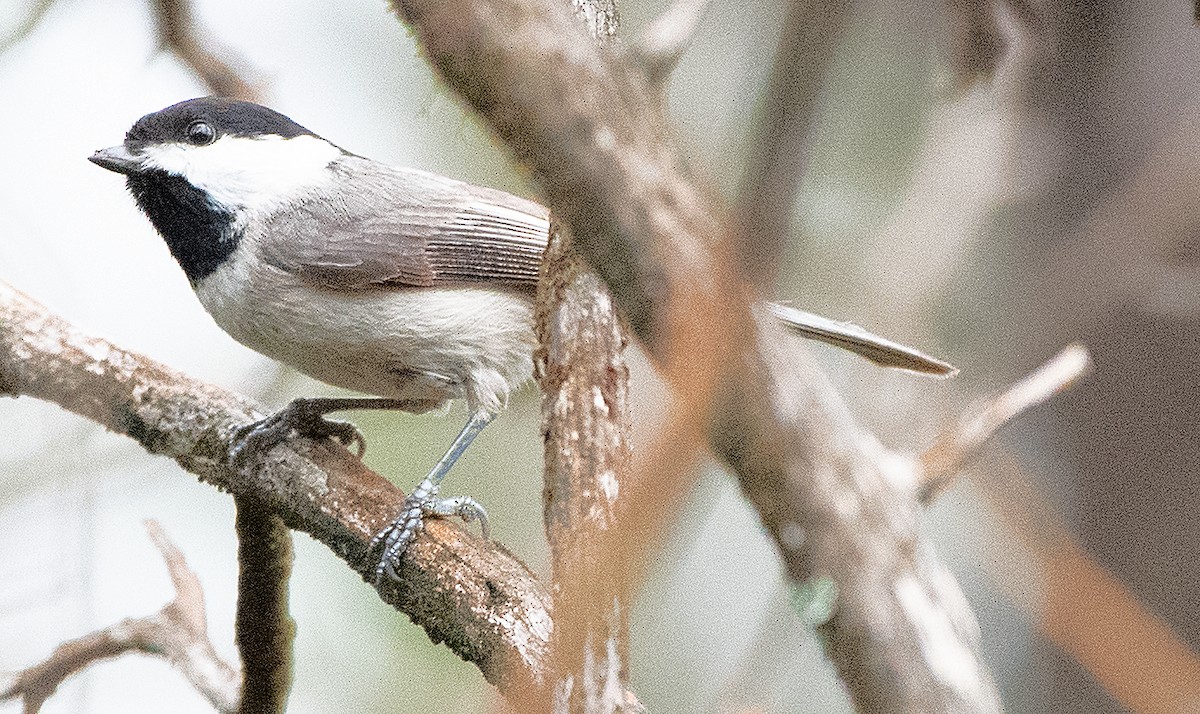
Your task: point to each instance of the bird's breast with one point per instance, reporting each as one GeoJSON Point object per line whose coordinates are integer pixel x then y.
{"type": "Point", "coordinates": [470, 342]}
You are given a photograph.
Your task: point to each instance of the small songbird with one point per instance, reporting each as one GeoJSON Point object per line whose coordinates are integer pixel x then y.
{"type": "Point", "coordinates": [392, 282]}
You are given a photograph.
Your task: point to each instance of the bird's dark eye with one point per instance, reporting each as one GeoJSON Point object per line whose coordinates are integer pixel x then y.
{"type": "Point", "coordinates": [201, 133]}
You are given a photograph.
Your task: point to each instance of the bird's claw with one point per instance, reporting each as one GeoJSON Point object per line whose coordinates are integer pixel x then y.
{"type": "Point", "coordinates": [260, 436]}
{"type": "Point", "coordinates": [464, 507]}
{"type": "Point", "coordinates": [397, 535]}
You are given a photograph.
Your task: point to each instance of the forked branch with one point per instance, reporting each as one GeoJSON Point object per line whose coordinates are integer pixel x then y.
{"type": "Point", "coordinates": [178, 633]}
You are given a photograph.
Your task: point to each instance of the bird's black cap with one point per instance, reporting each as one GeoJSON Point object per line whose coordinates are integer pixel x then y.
{"type": "Point", "coordinates": [231, 117]}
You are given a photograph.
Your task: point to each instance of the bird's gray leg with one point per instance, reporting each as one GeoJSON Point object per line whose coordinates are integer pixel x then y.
{"type": "Point", "coordinates": [423, 501]}
{"type": "Point", "coordinates": [306, 416]}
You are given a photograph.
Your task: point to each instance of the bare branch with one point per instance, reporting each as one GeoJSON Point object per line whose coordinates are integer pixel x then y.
{"type": "Point", "coordinates": [663, 42]}
{"type": "Point", "coordinates": [779, 149]}
{"type": "Point", "coordinates": [584, 380]}
{"type": "Point", "coordinates": [470, 593]}
{"type": "Point", "coordinates": [179, 32]}
{"type": "Point", "coordinates": [178, 633]}
{"type": "Point", "coordinates": [263, 629]}
{"type": "Point", "coordinates": [949, 453]}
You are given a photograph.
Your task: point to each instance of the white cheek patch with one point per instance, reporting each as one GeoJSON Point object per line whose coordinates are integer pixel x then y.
{"type": "Point", "coordinates": [241, 172]}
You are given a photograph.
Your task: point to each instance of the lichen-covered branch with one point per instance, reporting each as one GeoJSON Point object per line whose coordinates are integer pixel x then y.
{"type": "Point", "coordinates": [584, 380]}
{"type": "Point", "coordinates": [467, 592]}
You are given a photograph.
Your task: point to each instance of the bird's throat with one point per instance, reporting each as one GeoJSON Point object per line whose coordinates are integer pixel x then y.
{"type": "Point", "coordinates": [200, 234]}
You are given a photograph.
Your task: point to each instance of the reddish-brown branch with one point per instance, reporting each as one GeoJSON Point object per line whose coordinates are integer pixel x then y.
{"type": "Point", "coordinates": [1082, 608]}
{"type": "Point", "coordinates": [180, 33]}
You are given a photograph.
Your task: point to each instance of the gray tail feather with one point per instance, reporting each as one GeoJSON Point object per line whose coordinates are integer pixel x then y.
{"type": "Point", "coordinates": [879, 350]}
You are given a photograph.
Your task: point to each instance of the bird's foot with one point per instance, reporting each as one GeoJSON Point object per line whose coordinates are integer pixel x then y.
{"type": "Point", "coordinates": [398, 534]}
{"type": "Point", "coordinates": [301, 416]}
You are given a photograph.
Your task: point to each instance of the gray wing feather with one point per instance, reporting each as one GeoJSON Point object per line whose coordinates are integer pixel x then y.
{"type": "Point", "coordinates": [375, 225]}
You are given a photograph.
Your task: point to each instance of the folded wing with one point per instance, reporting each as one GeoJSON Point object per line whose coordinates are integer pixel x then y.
{"type": "Point", "coordinates": [378, 226]}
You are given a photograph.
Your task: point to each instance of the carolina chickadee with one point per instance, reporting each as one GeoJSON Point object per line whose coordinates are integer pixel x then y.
{"type": "Point", "coordinates": [387, 281]}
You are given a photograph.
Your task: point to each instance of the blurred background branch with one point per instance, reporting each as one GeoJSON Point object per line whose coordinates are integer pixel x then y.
{"type": "Point", "coordinates": [980, 39]}
{"type": "Point", "coordinates": [662, 43]}
{"type": "Point", "coordinates": [780, 145]}
{"type": "Point", "coordinates": [181, 34]}
{"type": "Point", "coordinates": [33, 16]}
{"type": "Point", "coordinates": [1084, 610]}
{"type": "Point", "coordinates": [178, 633]}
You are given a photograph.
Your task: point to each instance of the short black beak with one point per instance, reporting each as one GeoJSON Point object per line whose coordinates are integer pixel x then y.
{"type": "Point", "coordinates": [117, 158]}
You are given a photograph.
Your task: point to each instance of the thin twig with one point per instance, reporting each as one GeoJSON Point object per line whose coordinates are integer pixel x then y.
{"type": "Point", "coordinates": [940, 462]}
{"type": "Point", "coordinates": [779, 153]}
{"type": "Point", "coordinates": [178, 633]}
{"type": "Point", "coordinates": [664, 41]}
{"type": "Point", "coordinates": [180, 33]}
{"type": "Point", "coordinates": [470, 593]}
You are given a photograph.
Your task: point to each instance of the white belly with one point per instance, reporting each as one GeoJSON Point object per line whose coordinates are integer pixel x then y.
{"type": "Point", "coordinates": [428, 343]}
